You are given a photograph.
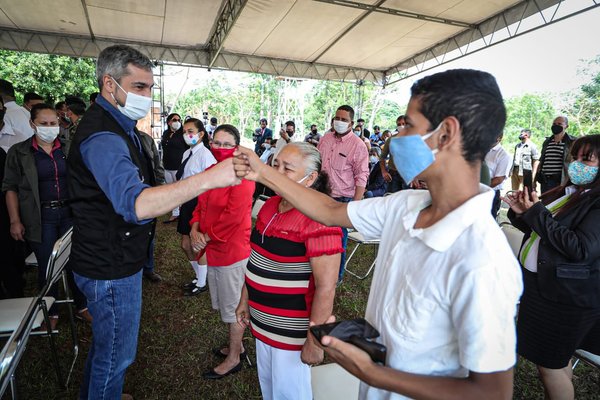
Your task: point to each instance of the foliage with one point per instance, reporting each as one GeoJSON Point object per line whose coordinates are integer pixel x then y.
{"type": "Point", "coordinates": [530, 111]}
{"type": "Point", "coordinates": [52, 77]}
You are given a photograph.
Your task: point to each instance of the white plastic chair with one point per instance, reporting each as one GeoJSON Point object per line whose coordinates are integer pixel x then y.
{"type": "Point", "coordinates": [330, 381]}
{"type": "Point", "coordinates": [29, 312]}
{"type": "Point", "coordinates": [513, 236]}
{"type": "Point", "coordinates": [359, 239]}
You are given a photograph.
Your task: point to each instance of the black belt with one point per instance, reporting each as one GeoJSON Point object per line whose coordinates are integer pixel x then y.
{"type": "Point", "coordinates": [55, 204]}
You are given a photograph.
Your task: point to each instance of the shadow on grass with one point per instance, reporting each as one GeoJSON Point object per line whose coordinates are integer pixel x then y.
{"type": "Point", "coordinates": [177, 334]}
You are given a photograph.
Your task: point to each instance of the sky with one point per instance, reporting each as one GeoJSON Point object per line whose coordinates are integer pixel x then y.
{"type": "Point", "coordinates": [547, 60]}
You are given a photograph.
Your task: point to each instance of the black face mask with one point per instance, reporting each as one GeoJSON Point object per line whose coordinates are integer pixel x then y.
{"type": "Point", "coordinates": [556, 129]}
{"type": "Point", "coordinates": [521, 137]}
{"type": "Point", "coordinates": [290, 134]}
{"type": "Point", "coordinates": [314, 131]}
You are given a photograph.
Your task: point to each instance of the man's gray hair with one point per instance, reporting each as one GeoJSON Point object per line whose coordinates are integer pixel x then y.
{"type": "Point", "coordinates": [310, 155]}
{"type": "Point", "coordinates": [114, 60]}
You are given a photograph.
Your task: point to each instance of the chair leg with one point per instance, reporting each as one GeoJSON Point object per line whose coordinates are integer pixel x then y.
{"type": "Point", "coordinates": [52, 345]}
{"type": "Point", "coordinates": [13, 387]}
{"type": "Point", "coordinates": [354, 274]}
{"type": "Point", "coordinates": [351, 255]}
{"type": "Point", "coordinates": [74, 338]}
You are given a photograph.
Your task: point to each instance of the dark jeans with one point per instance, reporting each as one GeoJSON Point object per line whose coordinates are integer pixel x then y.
{"type": "Point", "coordinates": [496, 203]}
{"type": "Point", "coordinates": [397, 182]}
{"type": "Point", "coordinates": [549, 182]}
{"type": "Point", "coordinates": [116, 307]}
{"type": "Point", "coordinates": [344, 240]}
{"type": "Point", "coordinates": [12, 266]}
{"type": "Point", "coordinates": [55, 222]}
{"type": "Point", "coordinates": [149, 266]}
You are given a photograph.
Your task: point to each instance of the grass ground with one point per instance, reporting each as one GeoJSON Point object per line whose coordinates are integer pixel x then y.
{"type": "Point", "coordinates": [178, 333]}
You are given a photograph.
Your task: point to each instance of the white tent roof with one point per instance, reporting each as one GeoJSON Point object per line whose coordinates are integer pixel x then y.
{"type": "Point", "coordinates": [376, 40]}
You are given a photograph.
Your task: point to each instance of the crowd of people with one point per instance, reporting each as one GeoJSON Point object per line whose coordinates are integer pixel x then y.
{"type": "Point", "coordinates": [446, 285]}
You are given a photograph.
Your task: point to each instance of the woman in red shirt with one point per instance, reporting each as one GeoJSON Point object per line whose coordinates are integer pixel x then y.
{"type": "Point", "coordinates": [221, 226]}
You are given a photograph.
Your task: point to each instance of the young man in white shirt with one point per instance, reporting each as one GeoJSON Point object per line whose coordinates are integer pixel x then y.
{"type": "Point", "coordinates": [499, 163]}
{"type": "Point", "coordinates": [17, 127]}
{"type": "Point", "coordinates": [446, 283]}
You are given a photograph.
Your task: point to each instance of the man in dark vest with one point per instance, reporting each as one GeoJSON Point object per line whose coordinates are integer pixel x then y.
{"type": "Point", "coordinates": [114, 205]}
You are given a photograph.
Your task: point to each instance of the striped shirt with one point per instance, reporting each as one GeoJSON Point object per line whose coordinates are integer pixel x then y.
{"type": "Point", "coordinates": [554, 158]}
{"type": "Point", "coordinates": [279, 277]}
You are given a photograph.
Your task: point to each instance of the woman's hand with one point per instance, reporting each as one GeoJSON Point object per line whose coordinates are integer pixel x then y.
{"type": "Point", "coordinates": [520, 201]}
{"type": "Point", "coordinates": [242, 313]}
{"type": "Point", "coordinates": [311, 353]}
{"type": "Point", "coordinates": [17, 231]}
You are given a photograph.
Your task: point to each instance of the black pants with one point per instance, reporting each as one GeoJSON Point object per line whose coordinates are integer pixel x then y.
{"type": "Point", "coordinates": [496, 203]}
{"type": "Point", "coordinates": [12, 266]}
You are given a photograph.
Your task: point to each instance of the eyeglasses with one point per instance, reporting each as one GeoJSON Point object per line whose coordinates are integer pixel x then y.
{"type": "Point", "coordinates": [219, 145]}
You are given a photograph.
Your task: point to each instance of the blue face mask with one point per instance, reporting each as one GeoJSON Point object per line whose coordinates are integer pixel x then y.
{"type": "Point", "coordinates": [412, 155]}
{"type": "Point", "coordinates": [582, 174]}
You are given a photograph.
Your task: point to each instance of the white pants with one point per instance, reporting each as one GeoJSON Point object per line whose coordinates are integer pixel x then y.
{"type": "Point", "coordinates": [170, 178]}
{"type": "Point", "coordinates": [281, 374]}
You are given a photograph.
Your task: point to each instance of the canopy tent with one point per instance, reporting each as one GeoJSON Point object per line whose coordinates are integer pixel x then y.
{"type": "Point", "coordinates": [365, 40]}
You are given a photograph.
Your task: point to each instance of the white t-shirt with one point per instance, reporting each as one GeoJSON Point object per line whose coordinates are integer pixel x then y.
{"type": "Point", "coordinates": [17, 128]}
{"type": "Point", "coordinates": [201, 159]}
{"type": "Point", "coordinates": [499, 163]}
{"type": "Point", "coordinates": [443, 298]}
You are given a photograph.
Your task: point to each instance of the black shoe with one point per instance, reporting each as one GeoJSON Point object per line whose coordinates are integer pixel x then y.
{"type": "Point", "coordinates": [211, 374]}
{"type": "Point", "coordinates": [189, 285]}
{"type": "Point", "coordinates": [152, 276]}
{"type": "Point", "coordinates": [218, 353]}
{"type": "Point", "coordinates": [195, 291]}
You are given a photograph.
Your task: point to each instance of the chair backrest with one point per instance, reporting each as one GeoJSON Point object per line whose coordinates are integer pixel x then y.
{"type": "Point", "coordinates": [260, 201]}
{"type": "Point", "coordinates": [59, 258]}
{"type": "Point", "coordinates": [513, 236]}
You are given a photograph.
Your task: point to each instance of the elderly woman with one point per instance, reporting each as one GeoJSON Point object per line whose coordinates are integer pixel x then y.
{"type": "Point", "coordinates": [290, 281]}
{"type": "Point", "coordinates": [35, 183]}
{"type": "Point", "coordinates": [560, 257]}
{"type": "Point", "coordinates": [220, 227]}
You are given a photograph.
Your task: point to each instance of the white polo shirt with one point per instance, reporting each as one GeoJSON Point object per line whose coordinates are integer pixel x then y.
{"type": "Point", "coordinates": [443, 298]}
{"type": "Point", "coordinates": [499, 163]}
{"type": "Point", "coordinates": [17, 128]}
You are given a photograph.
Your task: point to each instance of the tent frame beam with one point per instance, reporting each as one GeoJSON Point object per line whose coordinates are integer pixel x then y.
{"type": "Point", "coordinates": [486, 33]}
{"type": "Point", "coordinates": [399, 13]}
{"type": "Point", "coordinates": [232, 9]}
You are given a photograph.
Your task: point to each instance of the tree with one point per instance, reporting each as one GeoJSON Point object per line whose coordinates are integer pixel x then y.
{"type": "Point", "coordinates": [530, 111]}
{"type": "Point", "coordinates": [52, 77]}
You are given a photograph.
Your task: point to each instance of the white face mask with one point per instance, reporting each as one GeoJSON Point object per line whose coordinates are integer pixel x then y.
{"type": "Point", "coordinates": [176, 125]}
{"type": "Point", "coordinates": [47, 133]}
{"type": "Point", "coordinates": [191, 140]}
{"type": "Point", "coordinates": [136, 106]}
{"type": "Point", "coordinates": [267, 146]}
{"type": "Point", "coordinates": [373, 159]}
{"type": "Point", "coordinates": [340, 126]}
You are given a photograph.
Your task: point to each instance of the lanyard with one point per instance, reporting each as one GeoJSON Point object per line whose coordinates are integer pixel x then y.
{"type": "Point", "coordinates": [534, 236]}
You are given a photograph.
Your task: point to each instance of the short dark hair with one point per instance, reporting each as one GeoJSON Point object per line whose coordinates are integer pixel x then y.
{"type": "Point", "coordinates": [350, 110]}
{"type": "Point", "coordinates": [473, 97]}
{"type": "Point", "coordinates": [291, 123]}
{"type": "Point", "coordinates": [35, 110]}
{"type": "Point", "coordinates": [170, 117]}
{"type": "Point", "coordinates": [360, 120]}
{"type": "Point", "coordinates": [313, 125]}
{"type": "Point", "coordinates": [376, 127]}
{"type": "Point", "coordinates": [200, 126]}
{"type": "Point", "coordinates": [31, 96]}
{"type": "Point", "coordinates": [263, 120]}
{"type": "Point", "coordinates": [76, 105]}
{"type": "Point", "coordinates": [401, 117]}
{"type": "Point", "coordinates": [93, 97]}
{"type": "Point", "coordinates": [114, 61]}
{"type": "Point", "coordinates": [60, 105]}
{"type": "Point", "coordinates": [6, 88]}
{"type": "Point", "coordinates": [232, 130]}
{"type": "Point", "coordinates": [213, 120]}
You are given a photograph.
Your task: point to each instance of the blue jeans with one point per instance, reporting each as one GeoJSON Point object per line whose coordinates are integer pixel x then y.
{"type": "Point", "coordinates": [116, 306]}
{"type": "Point", "coordinates": [149, 266]}
{"type": "Point", "coordinates": [344, 240]}
{"type": "Point", "coordinates": [550, 182]}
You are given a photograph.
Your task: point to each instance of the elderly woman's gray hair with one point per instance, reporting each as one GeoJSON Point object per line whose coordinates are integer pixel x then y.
{"type": "Point", "coordinates": [312, 161]}
{"type": "Point", "coordinates": [114, 60]}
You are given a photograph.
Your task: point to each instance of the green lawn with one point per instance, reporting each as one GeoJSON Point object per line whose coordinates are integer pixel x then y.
{"type": "Point", "coordinates": [178, 333]}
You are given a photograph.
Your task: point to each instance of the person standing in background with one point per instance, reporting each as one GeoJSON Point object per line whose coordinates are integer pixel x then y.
{"type": "Point", "coordinates": [173, 147]}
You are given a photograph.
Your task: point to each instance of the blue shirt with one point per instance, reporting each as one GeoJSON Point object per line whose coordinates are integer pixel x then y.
{"type": "Point", "coordinates": [106, 155]}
